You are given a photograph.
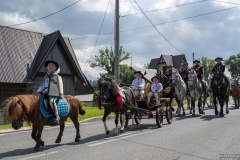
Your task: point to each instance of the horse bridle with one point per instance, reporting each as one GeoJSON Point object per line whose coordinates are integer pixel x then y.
{"type": "Point", "coordinates": [194, 81]}
{"type": "Point", "coordinates": [176, 81]}
{"type": "Point", "coordinates": [24, 114]}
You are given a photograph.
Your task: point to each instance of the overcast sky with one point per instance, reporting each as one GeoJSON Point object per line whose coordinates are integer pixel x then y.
{"type": "Point", "coordinates": [211, 35]}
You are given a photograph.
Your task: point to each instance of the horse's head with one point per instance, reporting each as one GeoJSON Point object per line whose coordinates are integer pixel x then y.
{"type": "Point", "coordinates": [108, 89]}
{"type": "Point", "coordinates": [175, 77]}
{"type": "Point", "coordinates": [18, 107]}
{"type": "Point", "coordinates": [14, 109]}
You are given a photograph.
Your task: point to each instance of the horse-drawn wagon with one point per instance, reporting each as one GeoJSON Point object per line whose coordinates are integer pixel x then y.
{"type": "Point", "coordinates": [142, 109]}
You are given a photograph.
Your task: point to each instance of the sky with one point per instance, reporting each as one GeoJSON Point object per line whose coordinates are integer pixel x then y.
{"type": "Point", "coordinates": [211, 35]}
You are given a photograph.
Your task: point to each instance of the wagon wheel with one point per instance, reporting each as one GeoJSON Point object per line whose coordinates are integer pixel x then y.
{"type": "Point", "coordinates": [159, 117]}
{"type": "Point", "coordinates": [137, 118]}
{"type": "Point", "coordinates": [169, 115]}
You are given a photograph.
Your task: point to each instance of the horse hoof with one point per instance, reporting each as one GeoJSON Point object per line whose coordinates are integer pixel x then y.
{"type": "Point", "coordinates": [115, 133]}
{"type": "Point", "coordinates": [203, 113]}
{"type": "Point", "coordinates": [184, 114]}
{"type": "Point", "coordinates": [77, 140]}
{"type": "Point", "coordinates": [193, 115]}
{"type": "Point", "coordinates": [121, 130]}
{"type": "Point", "coordinates": [221, 115]}
{"type": "Point", "coordinates": [36, 148]}
{"type": "Point", "coordinates": [58, 140]}
{"type": "Point", "coordinates": [172, 109]}
{"type": "Point", "coordinates": [227, 112]}
{"type": "Point", "coordinates": [179, 115]}
{"type": "Point", "coordinates": [107, 133]}
{"type": "Point", "coordinates": [42, 143]}
{"type": "Point", "coordinates": [216, 113]}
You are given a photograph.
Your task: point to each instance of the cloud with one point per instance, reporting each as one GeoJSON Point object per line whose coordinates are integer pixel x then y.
{"type": "Point", "coordinates": [210, 36]}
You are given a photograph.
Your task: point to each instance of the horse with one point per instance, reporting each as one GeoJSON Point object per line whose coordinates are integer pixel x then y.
{"type": "Point", "coordinates": [22, 108]}
{"type": "Point", "coordinates": [108, 92]}
{"type": "Point", "coordinates": [221, 91]}
{"type": "Point", "coordinates": [210, 95]}
{"type": "Point", "coordinates": [180, 90]}
{"type": "Point", "coordinates": [196, 90]}
{"type": "Point", "coordinates": [236, 93]}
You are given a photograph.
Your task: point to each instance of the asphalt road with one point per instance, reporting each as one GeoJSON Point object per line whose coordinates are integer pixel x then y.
{"type": "Point", "coordinates": [200, 137]}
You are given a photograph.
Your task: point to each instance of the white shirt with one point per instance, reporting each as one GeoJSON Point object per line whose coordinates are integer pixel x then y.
{"type": "Point", "coordinates": [44, 86]}
{"type": "Point", "coordinates": [156, 86]}
{"type": "Point", "coordinates": [138, 82]}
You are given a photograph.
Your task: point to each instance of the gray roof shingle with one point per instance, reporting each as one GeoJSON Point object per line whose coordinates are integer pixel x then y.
{"type": "Point", "coordinates": [20, 47]}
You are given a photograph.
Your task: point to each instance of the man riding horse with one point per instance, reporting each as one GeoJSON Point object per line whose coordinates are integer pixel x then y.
{"type": "Point", "coordinates": [184, 72]}
{"type": "Point", "coordinates": [199, 71]}
{"type": "Point", "coordinates": [221, 68]}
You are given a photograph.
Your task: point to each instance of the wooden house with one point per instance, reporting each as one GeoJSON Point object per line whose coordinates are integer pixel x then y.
{"type": "Point", "coordinates": [161, 64]}
{"type": "Point", "coordinates": [23, 54]}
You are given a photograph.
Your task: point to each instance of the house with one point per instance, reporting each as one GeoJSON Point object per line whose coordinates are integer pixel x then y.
{"type": "Point", "coordinates": [161, 64]}
{"type": "Point", "coordinates": [23, 54]}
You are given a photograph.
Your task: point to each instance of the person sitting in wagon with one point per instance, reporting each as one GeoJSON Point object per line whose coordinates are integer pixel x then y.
{"type": "Point", "coordinates": [156, 89]}
{"type": "Point", "coordinates": [138, 84]}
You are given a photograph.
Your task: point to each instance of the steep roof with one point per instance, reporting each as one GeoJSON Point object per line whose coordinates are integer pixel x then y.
{"type": "Point", "coordinates": [20, 47]}
{"type": "Point", "coordinates": [177, 60]}
{"type": "Point", "coordinates": [168, 59]}
{"type": "Point", "coordinates": [153, 63]}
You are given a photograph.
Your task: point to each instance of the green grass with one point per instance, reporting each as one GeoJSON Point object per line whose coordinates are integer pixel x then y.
{"type": "Point", "coordinates": [90, 113]}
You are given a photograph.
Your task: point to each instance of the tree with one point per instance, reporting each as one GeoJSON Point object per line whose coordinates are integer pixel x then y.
{"type": "Point", "coordinates": [126, 74]}
{"type": "Point", "coordinates": [106, 59]}
{"type": "Point", "coordinates": [207, 64]}
{"type": "Point", "coordinates": [233, 64]}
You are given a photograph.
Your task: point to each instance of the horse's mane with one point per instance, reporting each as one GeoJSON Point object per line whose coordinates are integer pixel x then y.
{"type": "Point", "coordinates": [13, 107]}
{"type": "Point", "coordinates": [112, 85]}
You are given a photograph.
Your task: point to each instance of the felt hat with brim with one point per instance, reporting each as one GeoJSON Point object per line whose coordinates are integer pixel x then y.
{"type": "Point", "coordinates": [154, 77]}
{"type": "Point", "coordinates": [51, 61]}
{"type": "Point", "coordinates": [170, 65]}
{"type": "Point", "coordinates": [196, 61]}
{"type": "Point", "coordinates": [138, 72]}
{"type": "Point", "coordinates": [219, 59]}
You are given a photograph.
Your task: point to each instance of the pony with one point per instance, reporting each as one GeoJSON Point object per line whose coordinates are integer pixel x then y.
{"type": "Point", "coordinates": [22, 108]}
{"type": "Point", "coordinates": [108, 93]}
{"type": "Point", "coordinates": [180, 90]}
{"type": "Point", "coordinates": [221, 90]}
{"type": "Point", "coordinates": [236, 93]}
{"type": "Point", "coordinates": [197, 90]}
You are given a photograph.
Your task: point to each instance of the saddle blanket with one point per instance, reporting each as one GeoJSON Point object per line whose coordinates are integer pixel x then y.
{"type": "Point", "coordinates": [62, 106]}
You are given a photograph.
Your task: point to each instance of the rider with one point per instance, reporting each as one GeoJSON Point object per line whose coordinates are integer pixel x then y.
{"type": "Point", "coordinates": [156, 89]}
{"type": "Point", "coordinates": [52, 87]}
{"type": "Point", "coordinates": [199, 71]}
{"type": "Point", "coordinates": [138, 83]}
{"type": "Point", "coordinates": [184, 72]}
{"type": "Point", "coordinates": [220, 67]}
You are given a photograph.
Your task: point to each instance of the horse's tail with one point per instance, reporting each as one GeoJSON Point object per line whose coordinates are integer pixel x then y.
{"type": "Point", "coordinates": [81, 110]}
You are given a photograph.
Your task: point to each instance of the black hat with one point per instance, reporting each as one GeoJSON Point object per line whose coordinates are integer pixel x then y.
{"type": "Point", "coordinates": [138, 72]}
{"type": "Point", "coordinates": [219, 59]}
{"type": "Point", "coordinates": [170, 65]}
{"type": "Point", "coordinates": [154, 77]}
{"type": "Point", "coordinates": [196, 61]}
{"type": "Point", "coordinates": [51, 61]}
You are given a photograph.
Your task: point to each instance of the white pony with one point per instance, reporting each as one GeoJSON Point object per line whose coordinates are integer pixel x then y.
{"type": "Point", "coordinates": [196, 90]}
{"type": "Point", "coordinates": [180, 90]}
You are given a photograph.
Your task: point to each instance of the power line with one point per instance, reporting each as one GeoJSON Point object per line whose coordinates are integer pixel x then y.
{"type": "Point", "coordinates": [191, 17]}
{"type": "Point", "coordinates": [180, 5]}
{"type": "Point", "coordinates": [46, 15]}
{"type": "Point", "coordinates": [227, 2]}
{"type": "Point", "coordinates": [100, 30]}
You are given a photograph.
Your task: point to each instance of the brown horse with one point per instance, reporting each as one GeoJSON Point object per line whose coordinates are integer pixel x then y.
{"type": "Point", "coordinates": [236, 93]}
{"type": "Point", "coordinates": [22, 108]}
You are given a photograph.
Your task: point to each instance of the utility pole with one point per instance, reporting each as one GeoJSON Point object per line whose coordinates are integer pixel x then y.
{"type": "Point", "coordinates": [193, 57]}
{"type": "Point", "coordinates": [116, 39]}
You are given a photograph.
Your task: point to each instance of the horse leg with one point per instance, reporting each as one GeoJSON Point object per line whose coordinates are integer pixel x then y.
{"type": "Point", "coordinates": [133, 114]}
{"type": "Point", "coordinates": [183, 108]}
{"type": "Point", "coordinates": [227, 99]}
{"type": "Point", "coordinates": [215, 104]}
{"type": "Point", "coordinates": [200, 105]}
{"type": "Point", "coordinates": [193, 106]}
{"type": "Point", "coordinates": [106, 113]}
{"type": "Point", "coordinates": [123, 121]}
{"type": "Point", "coordinates": [38, 138]}
{"type": "Point", "coordinates": [59, 138]}
{"type": "Point", "coordinates": [116, 123]}
{"type": "Point", "coordinates": [221, 101]}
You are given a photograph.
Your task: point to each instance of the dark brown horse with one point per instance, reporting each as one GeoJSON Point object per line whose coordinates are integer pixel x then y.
{"type": "Point", "coordinates": [22, 108]}
{"type": "Point", "coordinates": [108, 93]}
